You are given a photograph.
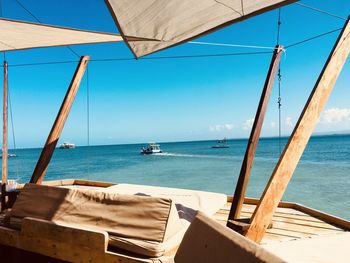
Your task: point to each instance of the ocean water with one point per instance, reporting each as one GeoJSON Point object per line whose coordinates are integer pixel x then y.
{"type": "Point", "coordinates": [321, 180]}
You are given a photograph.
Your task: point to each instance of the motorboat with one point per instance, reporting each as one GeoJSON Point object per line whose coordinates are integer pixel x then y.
{"type": "Point", "coordinates": [151, 149]}
{"type": "Point", "coordinates": [221, 144]}
{"type": "Point", "coordinates": [9, 155]}
{"type": "Point", "coordinates": [67, 145]}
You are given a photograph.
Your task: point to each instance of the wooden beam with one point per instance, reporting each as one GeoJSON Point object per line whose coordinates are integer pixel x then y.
{"type": "Point", "coordinates": [51, 142]}
{"type": "Point", "coordinates": [297, 142]}
{"type": "Point", "coordinates": [242, 183]}
{"type": "Point", "coordinates": [4, 166]}
{"type": "Point", "coordinates": [4, 127]}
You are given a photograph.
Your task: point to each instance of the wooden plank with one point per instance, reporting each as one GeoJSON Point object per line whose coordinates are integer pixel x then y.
{"type": "Point", "coordinates": [51, 142]}
{"type": "Point", "coordinates": [4, 126]}
{"type": "Point", "coordinates": [4, 163]}
{"type": "Point", "coordinates": [64, 242]}
{"type": "Point", "coordinates": [295, 147]}
{"type": "Point", "coordinates": [330, 219]}
{"type": "Point", "coordinates": [93, 183]}
{"type": "Point", "coordinates": [252, 145]}
{"type": "Point", "coordinates": [270, 238]}
{"type": "Point", "coordinates": [59, 182]}
{"type": "Point", "coordinates": [92, 239]}
{"type": "Point", "coordinates": [287, 233]}
{"type": "Point", "coordinates": [279, 210]}
{"type": "Point", "coordinates": [306, 229]}
{"type": "Point", "coordinates": [78, 182]}
{"type": "Point", "coordinates": [300, 221]}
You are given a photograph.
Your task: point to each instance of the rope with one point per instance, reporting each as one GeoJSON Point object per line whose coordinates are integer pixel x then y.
{"type": "Point", "coordinates": [146, 58]}
{"type": "Point", "coordinates": [320, 11]}
{"type": "Point", "coordinates": [279, 100]}
{"type": "Point", "coordinates": [13, 131]}
{"type": "Point", "coordinates": [88, 105]}
{"type": "Point", "coordinates": [279, 26]}
{"type": "Point", "coordinates": [44, 63]}
{"type": "Point", "coordinates": [88, 120]}
{"type": "Point", "coordinates": [38, 20]}
{"type": "Point", "coordinates": [312, 38]}
{"type": "Point", "coordinates": [229, 45]}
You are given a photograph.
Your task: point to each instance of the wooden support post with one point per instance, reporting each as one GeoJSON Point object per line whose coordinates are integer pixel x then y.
{"type": "Point", "coordinates": [294, 149]}
{"type": "Point", "coordinates": [51, 142]}
{"type": "Point", "coordinates": [242, 183]}
{"type": "Point", "coordinates": [4, 137]}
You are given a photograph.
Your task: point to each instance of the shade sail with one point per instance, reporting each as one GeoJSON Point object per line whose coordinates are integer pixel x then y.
{"type": "Point", "coordinates": [169, 22]}
{"type": "Point", "coordinates": [15, 35]}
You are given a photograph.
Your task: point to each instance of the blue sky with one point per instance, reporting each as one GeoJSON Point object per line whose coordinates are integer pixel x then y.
{"type": "Point", "coordinates": [173, 99]}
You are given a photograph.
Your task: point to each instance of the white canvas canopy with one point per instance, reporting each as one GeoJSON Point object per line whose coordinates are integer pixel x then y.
{"type": "Point", "coordinates": [169, 22]}
{"type": "Point", "coordinates": [15, 35]}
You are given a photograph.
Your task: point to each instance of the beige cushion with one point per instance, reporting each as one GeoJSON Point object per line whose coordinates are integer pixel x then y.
{"type": "Point", "coordinates": [207, 241]}
{"type": "Point", "coordinates": [187, 202]}
{"type": "Point", "coordinates": [148, 248]}
{"type": "Point", "coordinates": [137, 217]}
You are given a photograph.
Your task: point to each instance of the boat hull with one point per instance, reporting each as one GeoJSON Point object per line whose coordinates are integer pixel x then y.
{"type": "Point", "coordinates": [149, 152]}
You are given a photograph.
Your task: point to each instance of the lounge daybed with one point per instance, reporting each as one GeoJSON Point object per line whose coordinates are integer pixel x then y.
{"type": "Point", "coordinates": [101, 226]}
{"type": "Point", "coordinates": [148, 226]}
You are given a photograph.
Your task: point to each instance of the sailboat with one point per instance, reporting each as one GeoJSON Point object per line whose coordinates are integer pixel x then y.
{"type": "Point", "coordinates": [90, 221]}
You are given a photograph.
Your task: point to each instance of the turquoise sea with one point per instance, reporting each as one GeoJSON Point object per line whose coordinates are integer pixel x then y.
{"type": "Point", "coordinates": [321, 181]}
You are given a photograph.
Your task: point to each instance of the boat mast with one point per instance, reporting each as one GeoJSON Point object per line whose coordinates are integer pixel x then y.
{"type": "Point", "coordinates": [4, 136]}
{"type": "Point", "coordinates": [56, 130]}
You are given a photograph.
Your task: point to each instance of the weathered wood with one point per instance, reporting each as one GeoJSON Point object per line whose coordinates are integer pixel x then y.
{"type": "Point", "coordinates": [4, 164]}
{"type": "Point", "coordinates": [67, 243]}
{"type": "Point", "coordinates": [291, 223]}
{"type": "Point", "coordinates": [240, 225]}
{"type": "Point", "coordinates": [295, 147]}
{"type": "Point", "coordinates": [92, 239]}
{"type": "Point", "coordinates": [330, 219]}
{"type": "Point", "coordinates": [4, 127]}
{"type": "Point", "coordinates": [242, 183]}
{"type": "Point", "coordinates": [51, 142]}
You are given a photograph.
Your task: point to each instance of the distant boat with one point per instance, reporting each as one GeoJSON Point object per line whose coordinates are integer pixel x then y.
{"type": "Point", "coordinates": [151, 149]}
{"type": "Point", "coordinates": [67, 145]}
{"type": "Point", "coordinates": [9, 155]}
{"type": "Point", "coordinates": [221, 144]}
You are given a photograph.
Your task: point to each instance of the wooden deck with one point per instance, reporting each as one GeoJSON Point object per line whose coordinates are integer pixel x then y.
{"type": "Point", "coordinates": [288, 224]}
{"type": "Point", "coordinates": [294, 227]}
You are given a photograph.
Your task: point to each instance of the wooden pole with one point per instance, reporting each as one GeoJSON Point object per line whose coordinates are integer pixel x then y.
{"type": "Point", "coordinates": [4, 137]}
{"type": "Point", "coordinates": [294, 149]}
{"type": "Point", "coordinates": [51, 142]}
{"type": "Point", "coordinates": [242, 183]}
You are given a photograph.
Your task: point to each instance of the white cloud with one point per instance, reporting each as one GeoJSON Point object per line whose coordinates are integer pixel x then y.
{"type": "Point", "coordinates": [289, 122]}
{"type": "Point", "coordinates": [221, 127]}
{"type": "Point", "coordinates": [248, 124]}
{"type": "Point", "coordinates": [335, 115]}
{"type": "Point", "coordinates": [229, 126]}
{"type": "Point", "coordinates": [273, 124]}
